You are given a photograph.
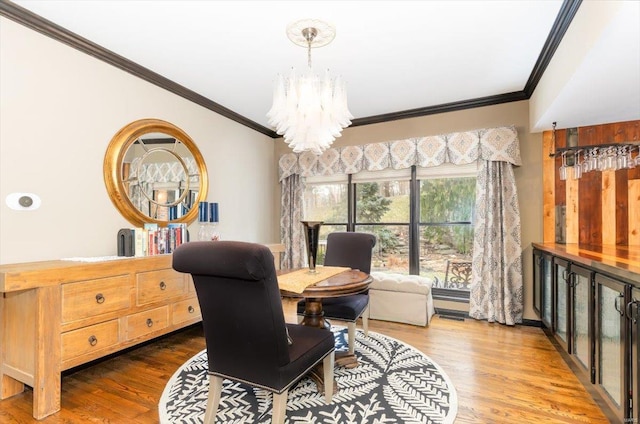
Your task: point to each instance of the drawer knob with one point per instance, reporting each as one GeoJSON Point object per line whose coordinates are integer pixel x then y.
{"type": "Point", "coordinates": [162, 285]}
{"type": "Point", "coordinates": [191, 309]}
{"type": "Point", "coordinates": [93, 340]}
{"type": "Point", "coordinates": [149, 322]}
{"type": "Point", "coordinates": [99, 298]}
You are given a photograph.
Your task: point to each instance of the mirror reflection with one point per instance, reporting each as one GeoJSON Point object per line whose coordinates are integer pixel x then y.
{"type": "Point", "coordinates": [161, 177]}
{"type": "Point", "coordinates": [154, 173]}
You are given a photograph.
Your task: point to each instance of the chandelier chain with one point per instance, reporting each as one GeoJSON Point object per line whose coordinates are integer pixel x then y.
{"type": "Point", "coordinates": [309, 34]}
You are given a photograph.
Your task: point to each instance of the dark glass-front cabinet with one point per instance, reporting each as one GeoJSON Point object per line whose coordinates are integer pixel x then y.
{"type": "Point", "coordinates": [594, 315]}
{"type": "Point", "coordinates": [632, 312]}
{"type": "Point", "coordinates": [581, 326]}
{"type": "Point", "coordinates": [612, 363]}
{"type": "Point", "coordinates": [561, 309]}
{"type": "Point", "coordinates": [543, 293]}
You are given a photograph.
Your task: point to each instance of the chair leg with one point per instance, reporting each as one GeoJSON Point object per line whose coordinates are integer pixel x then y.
{"type": "Point", "coordinates": [328, 364]}
{"type": "Point", "coordinates": [351, 326]}
{"type": "Point", "coordinates": [215, 391]}
{"type": "Point", "coordinates": [365, 321]}
{"type": "Point", "coordinates": [279, 407]}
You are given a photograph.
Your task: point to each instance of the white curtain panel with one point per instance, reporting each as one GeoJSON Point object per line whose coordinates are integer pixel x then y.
{"type": "Point", "coordinates": [497, 291]}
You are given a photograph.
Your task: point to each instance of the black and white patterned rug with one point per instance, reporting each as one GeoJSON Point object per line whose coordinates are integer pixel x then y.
{"type": "Point", "coordinates": [393, 383]}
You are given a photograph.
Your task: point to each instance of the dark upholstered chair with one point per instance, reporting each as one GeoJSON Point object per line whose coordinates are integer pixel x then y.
{"type": "Point", "coordinates": [353, 250]}
{"type": "Point", "coordinates": [244, 327]}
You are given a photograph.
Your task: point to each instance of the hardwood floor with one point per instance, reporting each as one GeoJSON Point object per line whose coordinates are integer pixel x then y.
{"type": "Point", "coordinates": [501, 374]}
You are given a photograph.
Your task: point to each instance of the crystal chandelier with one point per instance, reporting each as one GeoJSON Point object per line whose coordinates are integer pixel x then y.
{"type": "Point", "coordinates": [309, 111]}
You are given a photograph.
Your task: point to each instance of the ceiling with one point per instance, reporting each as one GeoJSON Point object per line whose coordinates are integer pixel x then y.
{"type": "Point", "coordinates": [399, 58]}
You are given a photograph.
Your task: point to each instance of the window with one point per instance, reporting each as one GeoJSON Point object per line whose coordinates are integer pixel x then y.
{"type": "Point", "coordinates": [422, 218]}
{"type": "Point", "coordinates": [445, 228]}
{"type": "Point", "coordinates": [327, 202]}
{"type": "Point", "coordinates": [382, 208]}
{"type": "Point", "coordinates": [446, 231]}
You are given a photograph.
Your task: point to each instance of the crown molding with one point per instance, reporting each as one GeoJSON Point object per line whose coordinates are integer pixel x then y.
{"type": "Point", "coordinates": [442, 108]}
{"type": "Point", "coordinates": [23, 16]}
{"type": "Point", "coordinates": [37, 23]}
{"type": "Point", "coordinates": [566, 14]}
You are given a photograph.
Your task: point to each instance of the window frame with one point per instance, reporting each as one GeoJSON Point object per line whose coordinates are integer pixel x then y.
{"type": "Point", "coordinates": [414, 177]}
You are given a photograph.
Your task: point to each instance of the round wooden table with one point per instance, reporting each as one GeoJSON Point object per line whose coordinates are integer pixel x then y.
{"type": "Point", "coordinates": [343, 284]}
{"type": "Point", "coordinates": [346, 283]}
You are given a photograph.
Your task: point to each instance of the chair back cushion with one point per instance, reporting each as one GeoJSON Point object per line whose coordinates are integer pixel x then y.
{"type": "Point", "coordinates": [241, 308]}
{"type": "Point", "coordinates": [350, 249]}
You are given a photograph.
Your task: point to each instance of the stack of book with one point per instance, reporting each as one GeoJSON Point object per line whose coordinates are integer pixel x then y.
{"type": "Point", "coordinates": [151, 239]}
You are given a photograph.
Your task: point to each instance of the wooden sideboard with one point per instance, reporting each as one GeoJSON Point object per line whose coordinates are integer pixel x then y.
{"type": "Point", "coordinates": [56, 315]}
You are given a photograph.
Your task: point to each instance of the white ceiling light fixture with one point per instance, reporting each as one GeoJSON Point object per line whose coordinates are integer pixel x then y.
{"type": "Point", "coordinates": [309, 111]}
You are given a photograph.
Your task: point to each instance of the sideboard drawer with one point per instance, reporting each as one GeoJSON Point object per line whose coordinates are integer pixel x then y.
{"type": "Point", "coordinates": [89, 298]}
{"type": "Point", "coordinates": [157, 286]}
{"type": "Point", "coordinates": [186, 310]}
{"type": "Point", "coordinates": [57, 315]}
{"type": "Point", "coordinates": [147, 322]}
{"type": "Point", "coordinates": [92, 338]}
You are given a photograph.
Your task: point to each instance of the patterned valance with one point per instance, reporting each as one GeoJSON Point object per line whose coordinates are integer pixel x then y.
{"type": "Point", "coordinates": [491, 144]}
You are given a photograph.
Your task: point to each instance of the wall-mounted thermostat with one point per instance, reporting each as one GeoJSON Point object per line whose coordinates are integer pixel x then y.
{"type": "Point", "coordinates": [23, 201]}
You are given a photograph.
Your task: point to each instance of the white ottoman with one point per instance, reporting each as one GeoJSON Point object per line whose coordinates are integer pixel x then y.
{"type": "Point", "coordinates": [401, 298]}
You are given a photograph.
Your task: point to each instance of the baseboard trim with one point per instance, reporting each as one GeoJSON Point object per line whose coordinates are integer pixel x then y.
{"type": "Point", "coordinates": [532, 323]}
{"type": "Point", "coordinates": [452, 314]}
{"type": "Point", "coordinates": [462, 315]}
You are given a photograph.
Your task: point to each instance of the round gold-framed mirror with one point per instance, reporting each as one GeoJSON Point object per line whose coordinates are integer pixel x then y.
{"type": "Point", "coordinates": [154, 173]}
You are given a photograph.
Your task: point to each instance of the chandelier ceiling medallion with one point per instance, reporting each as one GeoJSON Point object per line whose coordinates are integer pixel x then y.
{"type": "Point", "coordinates": [309, 111]}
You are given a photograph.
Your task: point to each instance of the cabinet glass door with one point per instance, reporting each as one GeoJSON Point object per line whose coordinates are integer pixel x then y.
{"type": "Point", "coordinates": [543, 289]}
{"type": "Point", "coordinates": [633, 314]}
{"type": "Point", "coordinates": [537, 282]}
{"type": "Point", "coordinates": [610, 343]}
{"type": "Point", "coordinates": [561, 317]}
{"type": "Point", "coordinates": [582, 317]}
{"type": "Point", "coordinates": [547, 290]}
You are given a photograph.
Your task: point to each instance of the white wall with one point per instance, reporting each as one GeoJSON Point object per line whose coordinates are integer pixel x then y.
{"type": "Point", "coordinates": [594, 75]}
{"type": "Point", "coordinates": [59, 109]}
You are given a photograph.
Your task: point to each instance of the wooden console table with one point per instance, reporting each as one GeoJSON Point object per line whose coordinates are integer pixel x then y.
{"type": "Point", "coordinates": [56, 315]}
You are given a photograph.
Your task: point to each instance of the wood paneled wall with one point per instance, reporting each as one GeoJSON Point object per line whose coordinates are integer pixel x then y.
{"type": "Point", "coordinates": [602, 208]}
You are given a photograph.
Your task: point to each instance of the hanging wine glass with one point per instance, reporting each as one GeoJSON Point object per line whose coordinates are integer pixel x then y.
{"type": "Point", "coordinates": [621, 158]}
{"type": "Point", "coordinates": [610, 162]}
{"type": "Point", "coordinates": [593, 159]}
{"type": "Point", "coordinates": [577, 167]}
{"type": "Point", "coordinates": [562, 171]}
{"type": "Point", "coordinates": [586, 167]}
{"type": "Point", "coordinates": [631, 163]}
{"type": "Point", "coordinates": [602, 160]}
